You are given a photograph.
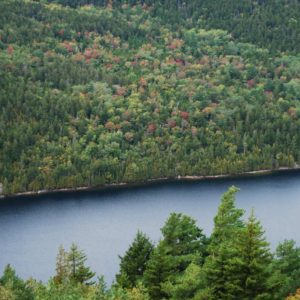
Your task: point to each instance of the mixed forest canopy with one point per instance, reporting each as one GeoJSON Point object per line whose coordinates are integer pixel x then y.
{"type": "Point", "coordinates": [269, 23]}
{"type": "Point", "coordinates": [98, 92]}
{"type": "Point", "coordinates": [233, 263]}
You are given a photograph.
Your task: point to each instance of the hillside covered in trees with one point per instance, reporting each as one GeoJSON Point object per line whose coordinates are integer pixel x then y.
{"type": "Point", "coordinates": [125, 92]}
{"type": "Point", "coordinates": [273, 24]}
{"type": "Point", "coordinates": [233, 263]}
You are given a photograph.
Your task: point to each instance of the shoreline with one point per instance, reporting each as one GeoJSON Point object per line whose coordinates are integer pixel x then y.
{"type": "Point", "coordinates": [152, 181]}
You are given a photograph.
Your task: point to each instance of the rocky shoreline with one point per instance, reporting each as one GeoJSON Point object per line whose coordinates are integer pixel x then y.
{"type": "Point", "coordinates": [154, 180]}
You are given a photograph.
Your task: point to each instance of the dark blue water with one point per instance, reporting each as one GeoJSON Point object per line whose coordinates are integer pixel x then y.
{"type": "Point", "coordinates": [104, 223]}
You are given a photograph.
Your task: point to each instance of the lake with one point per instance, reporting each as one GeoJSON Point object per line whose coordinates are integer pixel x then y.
{"type": "Point", "coordinates": [104, 223]}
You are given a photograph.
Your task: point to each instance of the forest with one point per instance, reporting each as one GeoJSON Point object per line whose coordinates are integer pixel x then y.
{"type": "Point", "coordinates": [99, 92]}
{"type": "Point", "coordinates": [106, 92]}
{"type": "Point", "coordinates": [234, 263]}
{"type": "Point", "coordinates": [267, 23]}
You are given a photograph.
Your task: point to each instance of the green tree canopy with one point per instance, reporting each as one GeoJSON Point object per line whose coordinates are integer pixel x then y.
{"type": "Point", "coordinates": [182, 243]}
{"type": "Point", "coordinates": [133, 263]}
{"type": "Point", "coordinates": [14, 288]}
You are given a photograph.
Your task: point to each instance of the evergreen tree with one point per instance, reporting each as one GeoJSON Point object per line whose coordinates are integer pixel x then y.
{"type": "Point", "coordinates": [101, 289]}
{"type": "Point", "coordinates": [253, 262]}
{"type": "Point", "coordinates": [183, 239]}
{"type": "Point", "coordinates": [220, 265]}
{"type": "Point", "coordinates": [158, 270]}
{"type": "Point", "coordinates": [133, 263]}
{"type": "Point", "coordinates": [182, 244]}
{"type": "Point", "coordinates": [228, 219]}
{"type": "Point", "coordinates": [79, 273]}
{"type": "Point", "coordinates": [286, 265]}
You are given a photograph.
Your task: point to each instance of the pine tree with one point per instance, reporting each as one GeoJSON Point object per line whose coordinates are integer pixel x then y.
{"type": "Point", "coordinates": [287, 267]}
{"type": "Point", "coordinates": [228, 219]}
{"type": "Point", "coordinates": [254, 261]}
{"type": "Point", "coordinates": [78, 271]}
{"type": "Point", "coordinates": [182, 238]}
{"type": "Point", "coordinates": [182, 244]}
{"type": "Point", "coordinates": [133, 263]}
{"type": "Point", "coordinates": [158, 269]}
{"type": "Point", "coordinates": [220, 265]}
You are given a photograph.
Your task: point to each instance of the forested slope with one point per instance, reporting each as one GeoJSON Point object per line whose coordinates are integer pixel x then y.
{"type": "Point", "coordinates": [116, 93]}
{"type": "Point", "coordinates": [269, 23]}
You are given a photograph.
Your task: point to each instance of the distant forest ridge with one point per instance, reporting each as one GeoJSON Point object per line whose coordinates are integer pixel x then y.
{"type": "Point", "coordinates": [94, 95]}
{"type": "Point", "coordinates": [272, 24]}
